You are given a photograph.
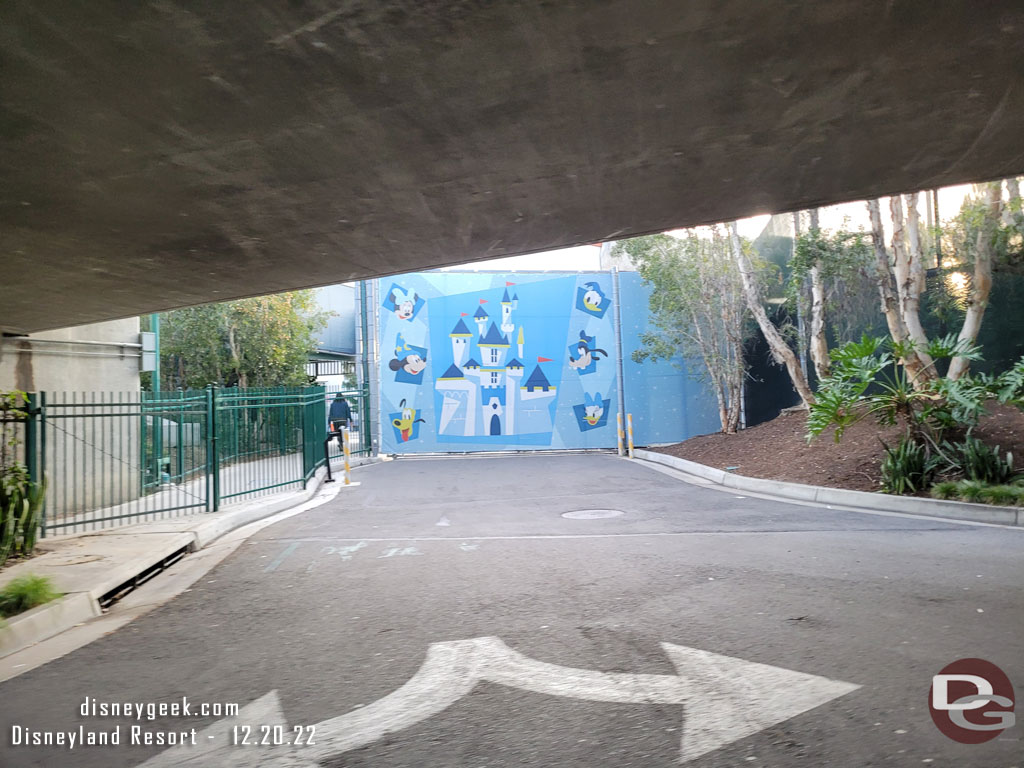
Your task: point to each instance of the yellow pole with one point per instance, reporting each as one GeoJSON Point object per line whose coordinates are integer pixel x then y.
{"type": "Point", "coordinates": [618, 422]}
{"type": "Point", "coordinates": [345, 449]}
{"type": "Point", "coordinates": [629, 425]}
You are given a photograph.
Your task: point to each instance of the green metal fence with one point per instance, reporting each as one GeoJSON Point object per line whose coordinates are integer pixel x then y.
{"type": "Point", "coordinates": [112, 459]}
{"type": "Point", "coordinates": [360, 441]}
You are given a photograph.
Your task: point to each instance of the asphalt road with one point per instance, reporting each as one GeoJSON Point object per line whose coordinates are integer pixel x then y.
{"type": "Point", "coordinates": [335, 609]}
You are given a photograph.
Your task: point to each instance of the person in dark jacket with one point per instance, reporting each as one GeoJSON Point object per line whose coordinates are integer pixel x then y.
{"type": "Point", "coordinates": [340, 415]}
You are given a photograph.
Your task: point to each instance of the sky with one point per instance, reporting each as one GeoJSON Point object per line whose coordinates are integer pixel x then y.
{"type": "Point", "coordinates": [852, 215]}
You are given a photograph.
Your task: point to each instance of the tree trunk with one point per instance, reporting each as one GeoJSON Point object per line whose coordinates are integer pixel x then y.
{"type": "Point", "coordinates": [981, 284]}
{"type": "Point", "coordinates": [819, 345]}
{"type": "Point", "coordinates": [1013, 216]}
{"type": "Point", "coordinates": [909, 283]}
{"type": "Point", "coordinates": [778, 346]}
{"type": "Point", "coordinates": [736, 387]}
{"type": "Point", "coordinates": [886, 291]}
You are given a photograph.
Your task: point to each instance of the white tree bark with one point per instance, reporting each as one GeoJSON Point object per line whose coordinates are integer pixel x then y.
{"type": "Point", "coordinates": [819, 345]}
{"type": "Point", "coordinates": [909, 271]}
{"type": "Point", "coordinates": [886, 291]}
{"type": "Point", "coordinates": [981, 284]}
{"type": "Point", "coordinates": [778, 346]}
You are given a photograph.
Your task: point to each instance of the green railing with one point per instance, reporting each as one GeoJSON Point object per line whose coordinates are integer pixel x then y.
{"type": "Point", "coordinates": [112, 459]}
{"type": "Point", "coordinates": [360, 441]}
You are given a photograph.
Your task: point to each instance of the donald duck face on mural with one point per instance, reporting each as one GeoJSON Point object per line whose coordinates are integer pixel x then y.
{"type": "Point", "coordinates": [593, 408]}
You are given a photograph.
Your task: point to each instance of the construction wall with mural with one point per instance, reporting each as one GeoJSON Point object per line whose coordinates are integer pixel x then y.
{"type": "Point", "coordinates": [477, 361]}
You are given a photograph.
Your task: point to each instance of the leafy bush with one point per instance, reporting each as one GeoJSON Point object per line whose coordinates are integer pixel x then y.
{"type": "Point", "coordinates": [972, 491]}
{"type": "Point", "coordinates": [26, 592]}
{"type": "Point", "coordinates": [1003, 495]}
{"type": "Point", "coordinates": [979, 461]}
{"type": "Point", "coordinates": [868, 379]}
{"type": "Point", "coordinates": [948, 489]}
{"type": "Point", "coordinates": [907, 468]}
{"type": "Point", "coordinates": [21, 499]}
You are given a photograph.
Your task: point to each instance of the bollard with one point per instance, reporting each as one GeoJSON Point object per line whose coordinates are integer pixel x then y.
{"type": "Point", "coordinates": [629, 426]}
{"type": "Point", "coordinates": [618, 427]}
{"type": "Point", "coordinates": [345, 450]}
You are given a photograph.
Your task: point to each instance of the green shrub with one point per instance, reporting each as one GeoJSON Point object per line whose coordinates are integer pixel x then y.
{"type": "Point", "coordinates": [26, 592]}
{"type": "Point", "coordinates": [1003, 495]}
{"type": "Point", "coordinates": [945, 490]}
{"type": "Point", "coordinates": [979, 461]}
{"type": "Point", "coordinates": [907, 468]}
{"type": "Point", "coordinates": [972, 491]}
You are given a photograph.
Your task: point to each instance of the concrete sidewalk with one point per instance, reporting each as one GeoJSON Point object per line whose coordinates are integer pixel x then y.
{"type": "Point", "coordinates": [88, 566]}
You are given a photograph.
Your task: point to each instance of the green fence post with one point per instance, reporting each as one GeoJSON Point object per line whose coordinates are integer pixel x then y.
{"type": "Point", "coordinates": [212, 458]}
{"type": "Point", "coordinates": [41, 469]}
{"type": "Point", "coordinates": [181, 440]}
{"type": "Point", "coordinates": [31, 436]}
{"type": "Point", "coordinates": [364, 424]}
{"type": "Point", "coordinates": [143, 463]}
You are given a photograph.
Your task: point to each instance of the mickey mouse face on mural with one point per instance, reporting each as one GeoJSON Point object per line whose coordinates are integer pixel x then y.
{"type": "Point", "coordinates": [412, 364]}
{"type": "Point", "coordinates": [405, 304]}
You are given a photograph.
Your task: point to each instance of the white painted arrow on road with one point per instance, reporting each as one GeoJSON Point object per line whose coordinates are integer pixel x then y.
{"type": "Point", "coordinates": [724, 699]}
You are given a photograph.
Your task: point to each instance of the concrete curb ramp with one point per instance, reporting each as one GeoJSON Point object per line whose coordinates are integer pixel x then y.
{"type": "Point", "coordinates": [87, 566]}
{"type": "Point", "coordinates": [875, 502]}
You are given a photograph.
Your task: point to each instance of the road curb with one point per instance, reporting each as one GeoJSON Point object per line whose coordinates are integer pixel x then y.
{"type": "Point", "coordinates": [76, 607]}
{"type": "Point", "coordinates": [48, 620]}
{"type": "Point", "coordinates": [874, 502]}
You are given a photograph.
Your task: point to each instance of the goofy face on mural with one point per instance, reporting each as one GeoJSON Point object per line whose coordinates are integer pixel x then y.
{"type": "Point", "coordinates": [586, 356]}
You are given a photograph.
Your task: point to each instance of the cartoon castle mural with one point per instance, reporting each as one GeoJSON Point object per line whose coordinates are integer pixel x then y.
{"type": "Point", "coordinates": [488, 398]}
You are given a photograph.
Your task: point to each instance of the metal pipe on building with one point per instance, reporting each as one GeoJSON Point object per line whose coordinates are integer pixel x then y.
{"type": "Point", "coordinates": [73, 342]}
{"type": "Point", "coordinates": [617, 316]}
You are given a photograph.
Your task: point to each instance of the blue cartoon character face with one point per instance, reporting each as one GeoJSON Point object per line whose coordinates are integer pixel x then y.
{"type": "Point", "coordinates": [405, 423]}
{"type": "Point", "coordinates": [593, 413]}
{"type": "Point", "coordinates": [409, 362]}
{"type": "Point", "coordinates": [405, 304]}
{"type": "Point", "coordinates": [584, 354]}
{"type": "Point", "coordinates": [592, 300]}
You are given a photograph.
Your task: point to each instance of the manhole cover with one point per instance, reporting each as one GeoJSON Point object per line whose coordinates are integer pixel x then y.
{"type": "Point", "coordinates": [592, 514]}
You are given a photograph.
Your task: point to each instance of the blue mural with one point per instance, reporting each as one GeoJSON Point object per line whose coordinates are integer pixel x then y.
{"type": "Point", "coordinates": [496, 362]}
{"type": "Point", "coordinates": [668, 402]}
{"type": "Point", "coordinates": [496, 385]}
{"type": "Point", "coordinates": [477, 361]}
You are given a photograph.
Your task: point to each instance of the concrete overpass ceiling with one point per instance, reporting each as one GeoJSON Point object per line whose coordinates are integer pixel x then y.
{"type": "Point", "coordinates": [169, 153]}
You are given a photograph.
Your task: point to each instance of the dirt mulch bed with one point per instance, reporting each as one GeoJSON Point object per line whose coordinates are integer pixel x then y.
{"type": "Point", "coordinates": [778, 449]}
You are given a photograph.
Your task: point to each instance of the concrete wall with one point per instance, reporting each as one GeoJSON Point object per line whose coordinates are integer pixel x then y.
{"type": "Point", "coordinates": [60, 361]}
{"type": "Point", "coordinates": [92, 444]}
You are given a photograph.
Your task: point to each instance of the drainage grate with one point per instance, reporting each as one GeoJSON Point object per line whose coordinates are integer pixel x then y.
{"type": "Point", "coordinates": [593, 514]}
{"type": "Point", "coordinates": [138, 580]}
